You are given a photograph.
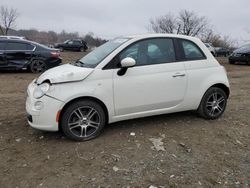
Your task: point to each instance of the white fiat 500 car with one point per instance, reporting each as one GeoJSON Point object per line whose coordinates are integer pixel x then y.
{"type": "Point", "coordinates": [128, 77]}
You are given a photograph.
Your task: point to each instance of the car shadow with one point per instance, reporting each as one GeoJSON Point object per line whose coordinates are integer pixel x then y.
{"type": "Point", "coordinates": [129, 125]}
{"type": "Point", "coordinates": [144, 121]}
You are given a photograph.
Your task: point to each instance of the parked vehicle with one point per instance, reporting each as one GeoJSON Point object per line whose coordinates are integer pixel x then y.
{"type": "Point", "coordinates": [241, 54]}
{"type": "Point", "coordinates": [125, 78]}
{"type": "Point", "coordinates": [21, 54]}
{"type": "Point", "coordinates": [220, 51]}
{"type": "Point", "coordinates": [73, 45]}
{"type": "Point", "coordinates": [211, 48]}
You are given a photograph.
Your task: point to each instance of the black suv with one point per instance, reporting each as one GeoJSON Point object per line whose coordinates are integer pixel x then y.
{"type": "Point", "coordinates": [21, 54]}
{"type": "Point", "coordinates": [73, 45]}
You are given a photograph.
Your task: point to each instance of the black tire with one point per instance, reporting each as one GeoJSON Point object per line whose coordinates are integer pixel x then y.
{"type": "Point", "coordinates": [38, 66]}
{"type": "Point", "coordinates": [61, 49]}
{"type": "Point", "coordinates": [231, 62]}
{"type": "Point", "coordinates": [81, 49]}
{"type": "Point", "coordinates": [213, 103]}
{"type": "Point", "coordinates": [79, 124]}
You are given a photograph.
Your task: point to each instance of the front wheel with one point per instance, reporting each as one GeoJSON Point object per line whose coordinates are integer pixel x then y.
{"type": "Point", "coordinates": [83, 120]}
{"type": "Point", "coordinates": [213, 103]}
{"type": "Point", "coordinates": [81, 49]}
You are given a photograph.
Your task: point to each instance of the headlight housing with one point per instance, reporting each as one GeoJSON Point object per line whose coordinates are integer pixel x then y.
{"type": "Point", "coordinates": [41, 90]}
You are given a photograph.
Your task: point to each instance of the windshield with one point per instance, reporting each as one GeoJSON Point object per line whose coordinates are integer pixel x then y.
{"type": "Point", "coordinates": [66, 41]}
{"type": "Point", "coordinates": [95, 57]}
{"type": "Point", "coordinates": [245, 46]}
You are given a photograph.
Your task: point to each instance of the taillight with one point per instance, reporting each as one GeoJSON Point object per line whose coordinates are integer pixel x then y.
{"type": "Point", "coordinates": [55, 54]}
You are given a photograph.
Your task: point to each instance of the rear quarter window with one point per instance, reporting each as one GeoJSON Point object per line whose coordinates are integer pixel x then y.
{"type": "Point", "coordinates": [2, 45]}
{"type": "Point", "coordinates": [30, 47]}
{"type": "Point", "coordinates": [191, 51]}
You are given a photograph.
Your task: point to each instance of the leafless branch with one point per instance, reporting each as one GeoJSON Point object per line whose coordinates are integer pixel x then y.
{"type": "Point", "coordinates": [7, 19]}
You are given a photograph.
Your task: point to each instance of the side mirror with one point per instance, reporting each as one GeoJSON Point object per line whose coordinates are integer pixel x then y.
{"type": "Point", "coordinates": [128, 62]}
{"type": "Point", "coordinates": [125, 64]}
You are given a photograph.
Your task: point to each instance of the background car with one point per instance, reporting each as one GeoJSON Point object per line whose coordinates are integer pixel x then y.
{"type": "Point", "coordinates": [73, 45]}
{"type": "Point", "coordinates": [211, 48]}
{"type": "Point", "coordinates": [220, 51]}
{"type": "Point", "coordinates": [241, 54]}
{"type": "Point", "coordinates": [21, 54]}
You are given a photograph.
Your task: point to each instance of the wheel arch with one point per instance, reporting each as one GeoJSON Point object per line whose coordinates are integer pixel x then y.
{"type": "Point", "coordinates": [84, 98]}
{"type": "Point", "coordinates": [32, 59]}
{"type": "Point", "coordinates": [223, 87]}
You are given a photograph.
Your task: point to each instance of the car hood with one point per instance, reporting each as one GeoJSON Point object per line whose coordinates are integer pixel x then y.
{"type": "Point", "coordinates": [64, 73]}
{"type": "Point", "coordinates": [242, 50]}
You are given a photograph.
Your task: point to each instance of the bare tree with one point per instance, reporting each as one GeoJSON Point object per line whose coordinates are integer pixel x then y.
{"type": "Point", "coordinates": [7, 19]}
{"type": "Point", "coordinates": [186, 23]}
{"type": "Point", "coordinates": [247, 30]}
{"type": "Point", "coordinates": [217, 40]}
{"type": "Point", "coordinates": [191, 24]}
{"type": "Point", "coordinates": [163, 24]}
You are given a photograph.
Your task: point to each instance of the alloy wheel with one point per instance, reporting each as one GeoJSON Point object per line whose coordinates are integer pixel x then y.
{"type": "Point", "coordinates": [215, 104]}
{"type": "Point", "coordinates": [84, 122]}
{"type": "Point", "coordinates": [38, 66]}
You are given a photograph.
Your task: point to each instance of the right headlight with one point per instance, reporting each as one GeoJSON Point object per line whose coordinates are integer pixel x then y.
{"type": "Point", "coordinates": [41, 90]}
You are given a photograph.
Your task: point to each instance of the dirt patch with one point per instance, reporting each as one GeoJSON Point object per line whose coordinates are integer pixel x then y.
{"type": "Point", "coordinates": [175, 150]}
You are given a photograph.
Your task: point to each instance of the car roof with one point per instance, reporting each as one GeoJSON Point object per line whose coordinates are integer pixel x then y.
{"type": "Point", "coordinates": [10, 37]}
{"type": "Point", "coordinates": [25, 41]}
{"type": "Point", "coordinates": [15, 40]}
{"type": "Point", "coordinates": [155, 35]}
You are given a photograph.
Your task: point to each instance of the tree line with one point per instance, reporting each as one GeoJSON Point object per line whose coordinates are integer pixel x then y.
{"type": "Point", "coordinates": [185, 22]}
{"type": "Point", "coordinates": [52, 37]}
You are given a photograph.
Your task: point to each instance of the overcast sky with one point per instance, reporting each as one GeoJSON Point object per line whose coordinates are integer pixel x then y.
{"type": "Point", "coordinates": [111, 18]}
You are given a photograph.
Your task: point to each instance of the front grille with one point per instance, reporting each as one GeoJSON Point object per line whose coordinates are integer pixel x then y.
{"type": "Point", "coordinates": [29, 117]}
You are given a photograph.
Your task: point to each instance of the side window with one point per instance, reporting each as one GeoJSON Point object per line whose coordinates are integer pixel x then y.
{"type": "Point", "coordinates": [151, 51]}
{"type": "Point", "coordinates": [2, 45]}
{"type": "Point", "coordinates": [130, 52]}
{"type": "Point", "coordinates": [77, 42]}
{"type": "Point", "coordinates": [70, 42]}
{"type": "Point", "coordinates": [16, 46]}
{"type": "Point", "coordinates": [191, 51]}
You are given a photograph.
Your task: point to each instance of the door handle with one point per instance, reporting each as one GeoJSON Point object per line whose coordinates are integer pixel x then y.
{"type": "Point", "coordinates": [179, 75]}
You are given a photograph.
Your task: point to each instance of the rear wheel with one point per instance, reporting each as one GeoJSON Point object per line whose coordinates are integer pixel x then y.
{"type": "Point", "coordinates": [38, 66]}
{"type": "Point", "coordinates": [213, 103]}
{"type": "Point", "coordinates": [83, 120]}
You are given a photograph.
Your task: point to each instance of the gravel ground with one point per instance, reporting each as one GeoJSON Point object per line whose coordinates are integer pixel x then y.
{"type": "Point", "coordinates": [175, 150]}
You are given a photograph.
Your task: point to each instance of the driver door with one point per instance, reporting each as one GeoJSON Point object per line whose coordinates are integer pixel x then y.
{"type": "Point", "coordinates": [156, 82]}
